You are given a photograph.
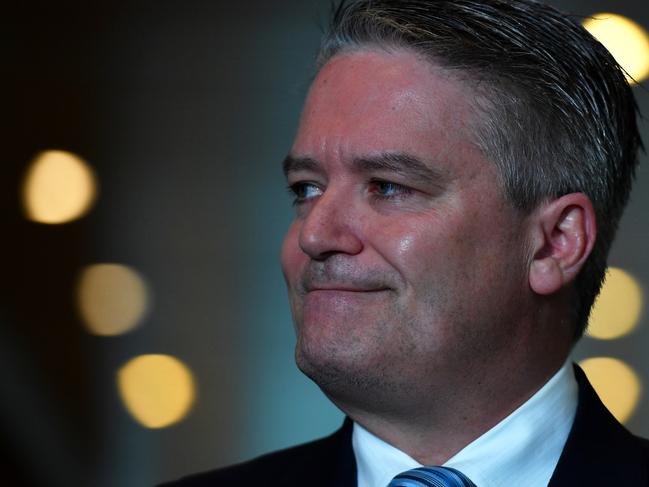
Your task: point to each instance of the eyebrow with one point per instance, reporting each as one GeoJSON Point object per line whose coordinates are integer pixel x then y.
{"type": "Point", "coordinates": [400, 163]}
{"type": "Point", "coordinates": [394, 162]}
{"type": "Point", "coordinates": [295, 164]}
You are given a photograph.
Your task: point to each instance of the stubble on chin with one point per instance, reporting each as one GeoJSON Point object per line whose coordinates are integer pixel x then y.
{"type": "Point", "coordinates": [357, 374]}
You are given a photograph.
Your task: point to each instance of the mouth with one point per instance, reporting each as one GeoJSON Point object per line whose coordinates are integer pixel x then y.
{"type": "Point", "coordinates": [345, 289]}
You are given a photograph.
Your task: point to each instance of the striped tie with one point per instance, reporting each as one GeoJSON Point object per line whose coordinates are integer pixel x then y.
{"type": "Point", "coordinates": [431, 477]}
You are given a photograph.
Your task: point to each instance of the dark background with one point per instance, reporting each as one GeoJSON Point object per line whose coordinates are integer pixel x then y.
{"type": "Point", "coordinates": [185, 111]}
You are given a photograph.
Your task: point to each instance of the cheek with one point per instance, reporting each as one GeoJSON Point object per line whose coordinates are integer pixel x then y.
{"type": "Point", "coordinates": [412, 246]}
{"type": "Point", "coordinates": [432, 255]}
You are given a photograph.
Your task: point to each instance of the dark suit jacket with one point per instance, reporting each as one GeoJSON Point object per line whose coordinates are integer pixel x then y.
{"type": "Point", "coordinates": [599, 451]}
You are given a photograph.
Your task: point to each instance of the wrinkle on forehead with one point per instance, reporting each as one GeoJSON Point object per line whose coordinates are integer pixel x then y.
{"type": "Point", "coordinates": [397, 78]}
{"type": "Point", "coordinates": [359, 95]}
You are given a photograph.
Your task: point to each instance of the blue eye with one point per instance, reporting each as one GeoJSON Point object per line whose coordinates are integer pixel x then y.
{"type": "Point", "coordinates": [387, 189]}
{"type": "Point", "coordinates": [303, 192]}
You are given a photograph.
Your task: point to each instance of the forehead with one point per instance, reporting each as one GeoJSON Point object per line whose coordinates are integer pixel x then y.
{"type": "Point", "coordinates": [372, 100]}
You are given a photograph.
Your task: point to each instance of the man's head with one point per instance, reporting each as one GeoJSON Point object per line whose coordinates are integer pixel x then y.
{"type": "Point", "coordinates": [444, 169]}
{"type": "Point", "coordinates": [556, 113]}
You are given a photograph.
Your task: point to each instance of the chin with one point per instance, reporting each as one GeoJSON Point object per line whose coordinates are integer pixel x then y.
{"type": "Point", "coordinates": [326, 365]}
{"type": "Point", "coordinates": [346, 378]}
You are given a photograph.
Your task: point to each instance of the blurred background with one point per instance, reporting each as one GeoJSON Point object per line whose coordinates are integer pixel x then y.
{"type": "Point", "coordinates": [144, 329]}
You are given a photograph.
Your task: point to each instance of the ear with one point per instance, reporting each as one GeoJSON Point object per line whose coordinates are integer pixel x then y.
{"type": "Point", "coordinates": [564, 232]}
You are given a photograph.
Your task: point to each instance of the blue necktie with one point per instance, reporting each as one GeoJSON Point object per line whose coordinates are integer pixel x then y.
{"type": "Point", "coordinates": [431, 477]}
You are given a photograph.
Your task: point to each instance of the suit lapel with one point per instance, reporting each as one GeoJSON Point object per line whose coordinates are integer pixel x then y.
{"type": "Point", "coordinates": [344, 474]}
{"type": "Point", "coordinates": [330, 464]}
{"type": "Point", "coordinates": [599, 451]}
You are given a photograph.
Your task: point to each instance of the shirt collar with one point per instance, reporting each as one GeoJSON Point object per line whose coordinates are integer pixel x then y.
{"type": "Point", "coordinates": [523, 447]}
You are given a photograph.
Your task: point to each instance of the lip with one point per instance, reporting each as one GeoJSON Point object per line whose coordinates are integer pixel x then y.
{"type": "Point", "coordinates": [345, 290]}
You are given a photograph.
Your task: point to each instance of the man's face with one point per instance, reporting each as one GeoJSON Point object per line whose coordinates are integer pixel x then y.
{"type": "Point", "coordinates": [404, 263]}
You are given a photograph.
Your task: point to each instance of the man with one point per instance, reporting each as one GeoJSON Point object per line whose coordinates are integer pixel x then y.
{"type": "Point", "coordinates": [459, 171]}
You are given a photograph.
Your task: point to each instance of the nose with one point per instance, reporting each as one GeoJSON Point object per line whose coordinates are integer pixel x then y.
{"type": "Point", "coordinates": [331, 227]}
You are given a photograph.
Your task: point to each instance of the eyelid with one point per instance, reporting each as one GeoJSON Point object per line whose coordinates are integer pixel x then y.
{"type": "Point", "coordinates": [295, 188]}
{"type": "Point", "coordinates": [401, 189]}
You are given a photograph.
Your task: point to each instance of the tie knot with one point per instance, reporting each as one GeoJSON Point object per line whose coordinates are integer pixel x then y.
{"type": "Point", "coordinates": [431, 477]}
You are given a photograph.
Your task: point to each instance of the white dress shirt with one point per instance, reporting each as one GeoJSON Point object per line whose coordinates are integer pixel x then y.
{"type": "Point", "coordinates": [522, 450]}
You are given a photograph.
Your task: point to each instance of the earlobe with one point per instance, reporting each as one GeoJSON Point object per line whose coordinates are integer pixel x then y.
{"type": "Point", "coordinates": [565, 235]}
{"type": "Point", "coordinates": [545, 276]}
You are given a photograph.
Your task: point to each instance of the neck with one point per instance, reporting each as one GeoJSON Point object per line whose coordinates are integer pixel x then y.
{"type": "Point", "coordinates": [440, 425]}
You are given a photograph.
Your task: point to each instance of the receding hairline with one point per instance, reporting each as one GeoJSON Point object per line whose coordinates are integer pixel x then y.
{"type": "Point", "coordinates": [481, 90]}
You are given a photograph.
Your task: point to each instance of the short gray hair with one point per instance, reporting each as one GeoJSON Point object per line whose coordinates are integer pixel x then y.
{"type": "Point", "coordinates": [558, 113]}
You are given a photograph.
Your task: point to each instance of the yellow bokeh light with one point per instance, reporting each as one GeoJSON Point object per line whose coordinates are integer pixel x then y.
{"type": "Point", "coordinates": [59, 187]}
{"type": "Point", "coordinates": [158, 390]}
{"type": "Point", "coordinates": [112, 298]}
{"type": "Point", "coordinates": [617, 385]}
{"type": "Point", "coordinates": [618, 308]}
{"type": "Point", "coordinates": [626, 40]}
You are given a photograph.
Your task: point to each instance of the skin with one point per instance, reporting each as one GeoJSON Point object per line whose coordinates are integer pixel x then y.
{"type": "Point", "coordinates": [426, 307]}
